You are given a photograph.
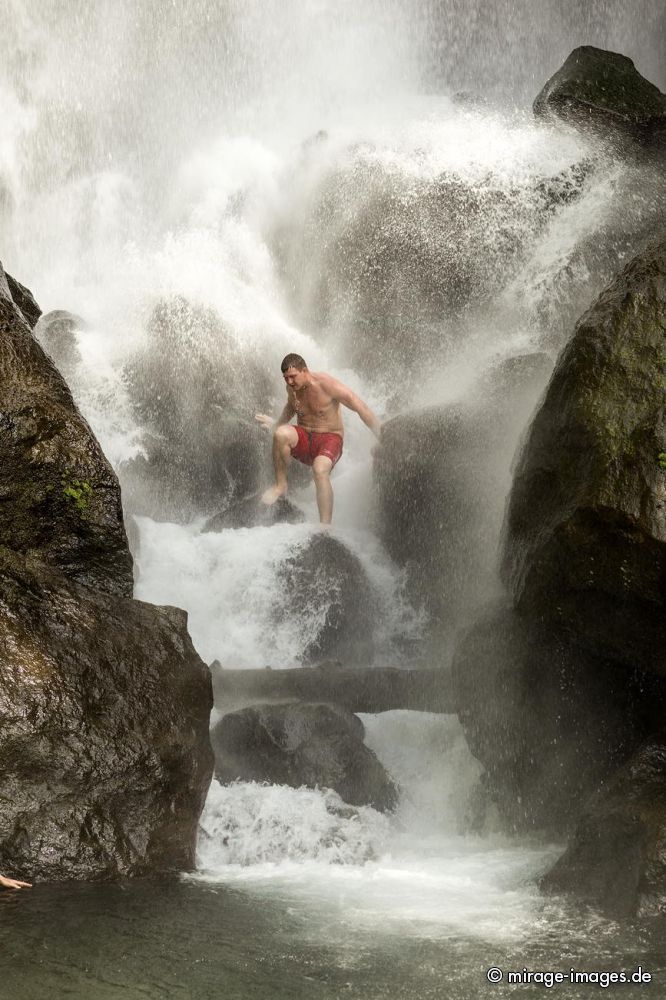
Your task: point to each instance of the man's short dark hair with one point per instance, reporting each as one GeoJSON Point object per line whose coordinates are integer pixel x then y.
{"type": "Point", "coordinates": [293, 361]}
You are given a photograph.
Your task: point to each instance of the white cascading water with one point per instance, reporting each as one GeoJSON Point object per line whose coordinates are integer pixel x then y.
{"type": "Point", "coordinates": [160, 158]}
{"type": "Point", "coordinates": [417, 873]}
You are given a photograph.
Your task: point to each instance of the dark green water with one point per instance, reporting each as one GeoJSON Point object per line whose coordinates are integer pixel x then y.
{"type": "Point", "coordinates": [195, 941]}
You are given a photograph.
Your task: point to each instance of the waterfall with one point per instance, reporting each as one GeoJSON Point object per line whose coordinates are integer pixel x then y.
{"type": "Point", "coordinates": [283, 167]}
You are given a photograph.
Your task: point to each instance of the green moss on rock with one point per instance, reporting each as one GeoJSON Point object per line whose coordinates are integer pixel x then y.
{"type": "Point", "coordinates": [79, 492]}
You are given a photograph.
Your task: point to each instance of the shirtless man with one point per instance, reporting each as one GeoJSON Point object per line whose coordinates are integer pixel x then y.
{"type": "Point", "coordinates": [316, 439]}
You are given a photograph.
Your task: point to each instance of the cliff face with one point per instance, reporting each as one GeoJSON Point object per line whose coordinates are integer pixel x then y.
{"type": "Point", "coordinates": [561, 693]}
{"type": "Point", "coordinates": [586, 527]}
{"type": "Point", "coordinates": [104, 704]}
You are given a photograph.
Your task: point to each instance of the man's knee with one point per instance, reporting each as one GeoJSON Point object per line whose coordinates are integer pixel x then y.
{"type": "Point", "coordinates": [321, 468]}
{"type": "Point", "coordinates": [284, 434]}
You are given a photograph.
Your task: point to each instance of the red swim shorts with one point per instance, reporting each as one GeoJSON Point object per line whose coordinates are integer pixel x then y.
{"type": "Point", "coordinates": [311, 444]}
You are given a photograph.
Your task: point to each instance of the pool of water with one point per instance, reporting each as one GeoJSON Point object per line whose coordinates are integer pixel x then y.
{"type": "Point", "coordinates": [183, 938]}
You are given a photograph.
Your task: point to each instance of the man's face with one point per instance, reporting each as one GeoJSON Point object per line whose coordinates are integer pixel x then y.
{"type": "Point", "coordinates": [295, 378]}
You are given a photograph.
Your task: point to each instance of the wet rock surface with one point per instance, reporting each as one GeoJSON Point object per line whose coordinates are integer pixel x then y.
{"type": "Point", "coordinates": [250, 512]}
{"type": "Point", "coordinates": [560, 696]}
{"type": "Point", "coordinates": [24, 300]}
{"type": "Point", "coordinates": [548, 722]}
{"type": "Point", "coordinates": [302, 744]}
{"type": "Point", "coordinates": [104, 752]}
{"type": "Point", "coordinates": [585, 543]}
{"type": "Point", "coordinates": [602, 92]}
{"type": "Point", "coordinates": [324, 583]}
{"type": "Point", "coordinates": [58, 493]}
{"type": "Point", "coordinates": [442, 475]}
{"type": "Point", "coordinates": [616, 860]}
{"type": "Point", "coordinates": [358, 689]}
{"type": "Point", "coordinates": [195, 392]}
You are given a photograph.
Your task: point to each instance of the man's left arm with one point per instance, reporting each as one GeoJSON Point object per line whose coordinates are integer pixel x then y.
{"type": "Point", "coordinates": [353, 402]}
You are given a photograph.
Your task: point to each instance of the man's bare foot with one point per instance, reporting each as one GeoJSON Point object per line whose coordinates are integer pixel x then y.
{"type": "Point", "coordinates": [273, 494]}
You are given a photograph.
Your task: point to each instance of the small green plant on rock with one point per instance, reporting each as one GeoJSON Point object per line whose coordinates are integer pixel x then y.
{"type": "Point", "coordinates": [79, 492]}
{"type": "Point", "coordinates": [661, 459]}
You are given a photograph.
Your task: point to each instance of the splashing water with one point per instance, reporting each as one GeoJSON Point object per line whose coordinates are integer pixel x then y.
{"type": "Point", "coordinates": [413, 872]}
{"type": "Point", "coordinates": [231, 583]}
{"type": "Point", "coordinates": [250, 824]}
{"type": "Point", "coordinates": [303, 169]}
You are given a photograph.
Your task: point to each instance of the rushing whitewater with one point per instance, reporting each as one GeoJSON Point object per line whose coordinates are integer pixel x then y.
{"type": "Point", "coordinates": [288, 166]}
{"type": "Point", "coordinates": [414, 873]}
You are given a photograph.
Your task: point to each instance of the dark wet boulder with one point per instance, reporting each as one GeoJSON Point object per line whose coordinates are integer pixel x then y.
{"type": "Point", "coordinates": [548, 722]}
{"type": "Point", "coordinates": [603, 93]}
{"type": "Point", "coordinates": [24, 300]}
{"type": "Point", "coordinates": [324, 588]}
{"type": "Point", "coordinates": [195, 391]}
{"type": "Point", "coordinates": [104, 753]}
{"type": "Point", "coordinates": [616, 860]}
{"type": "Point", "coordinates": [60, 497]}
{"type": "Point", "coordinates": [441, 477]}
{"type": "Point", "coordinates": [251, 512]}
{"type": "Point", "coordinates": [585, 538]}
{"type": "Point", "coordinates": [56, 331]}
{"type": "Point", "coordinates": [105, 759]}
{"type": "Point", "coordinates": [302, 744]}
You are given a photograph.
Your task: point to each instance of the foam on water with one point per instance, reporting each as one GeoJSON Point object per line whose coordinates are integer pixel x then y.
{"type": "Point", "coordinates": [414, 872]}
{"type": "Point", "coordinates": [250, 824]}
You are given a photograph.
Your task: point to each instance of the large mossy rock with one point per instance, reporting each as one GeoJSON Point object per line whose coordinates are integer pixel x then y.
{"type": "Point", "coordinates": [59, 496]}
{"type": "Point", "coordinates": [195, 392]}
{"type": "Point", "coordinates": [442, 475]}
{"type": "Point", "coordinates": [616, 860]}
{"type": "Point", "coordinates": [603, 92]}
{"type": "Point", "coordinates": [326, 593]}
{"type": "Point", "coordinates": [585, 542]}
{"type": "Point", "coordinates": [302, 744]}
{"type": "Point", "coordinates": [105, 759]}
{"type": "Point", "coordinates": [548, 722]}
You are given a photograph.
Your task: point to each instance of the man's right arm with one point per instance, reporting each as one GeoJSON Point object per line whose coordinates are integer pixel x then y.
{"type": "Point", "coordinates": [287, 413]}
{"type": "Point", "coordinates": [284, 418]}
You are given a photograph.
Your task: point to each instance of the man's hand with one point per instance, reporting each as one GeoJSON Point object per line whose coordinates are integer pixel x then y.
{"type": "Point", "coordinates": [13, 883]}
{"type": "Point", "coordinates": [266, 422]}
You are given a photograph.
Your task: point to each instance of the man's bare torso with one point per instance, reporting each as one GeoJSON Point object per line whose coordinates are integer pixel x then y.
{"type": "Point", "coordinates": [316, 409]}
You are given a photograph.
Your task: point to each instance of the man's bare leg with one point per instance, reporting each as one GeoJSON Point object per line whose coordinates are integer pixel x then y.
{"type": "Point", "coordinates": [321, 469]}
{"type": "Point", "coordinates": [284, 439]}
